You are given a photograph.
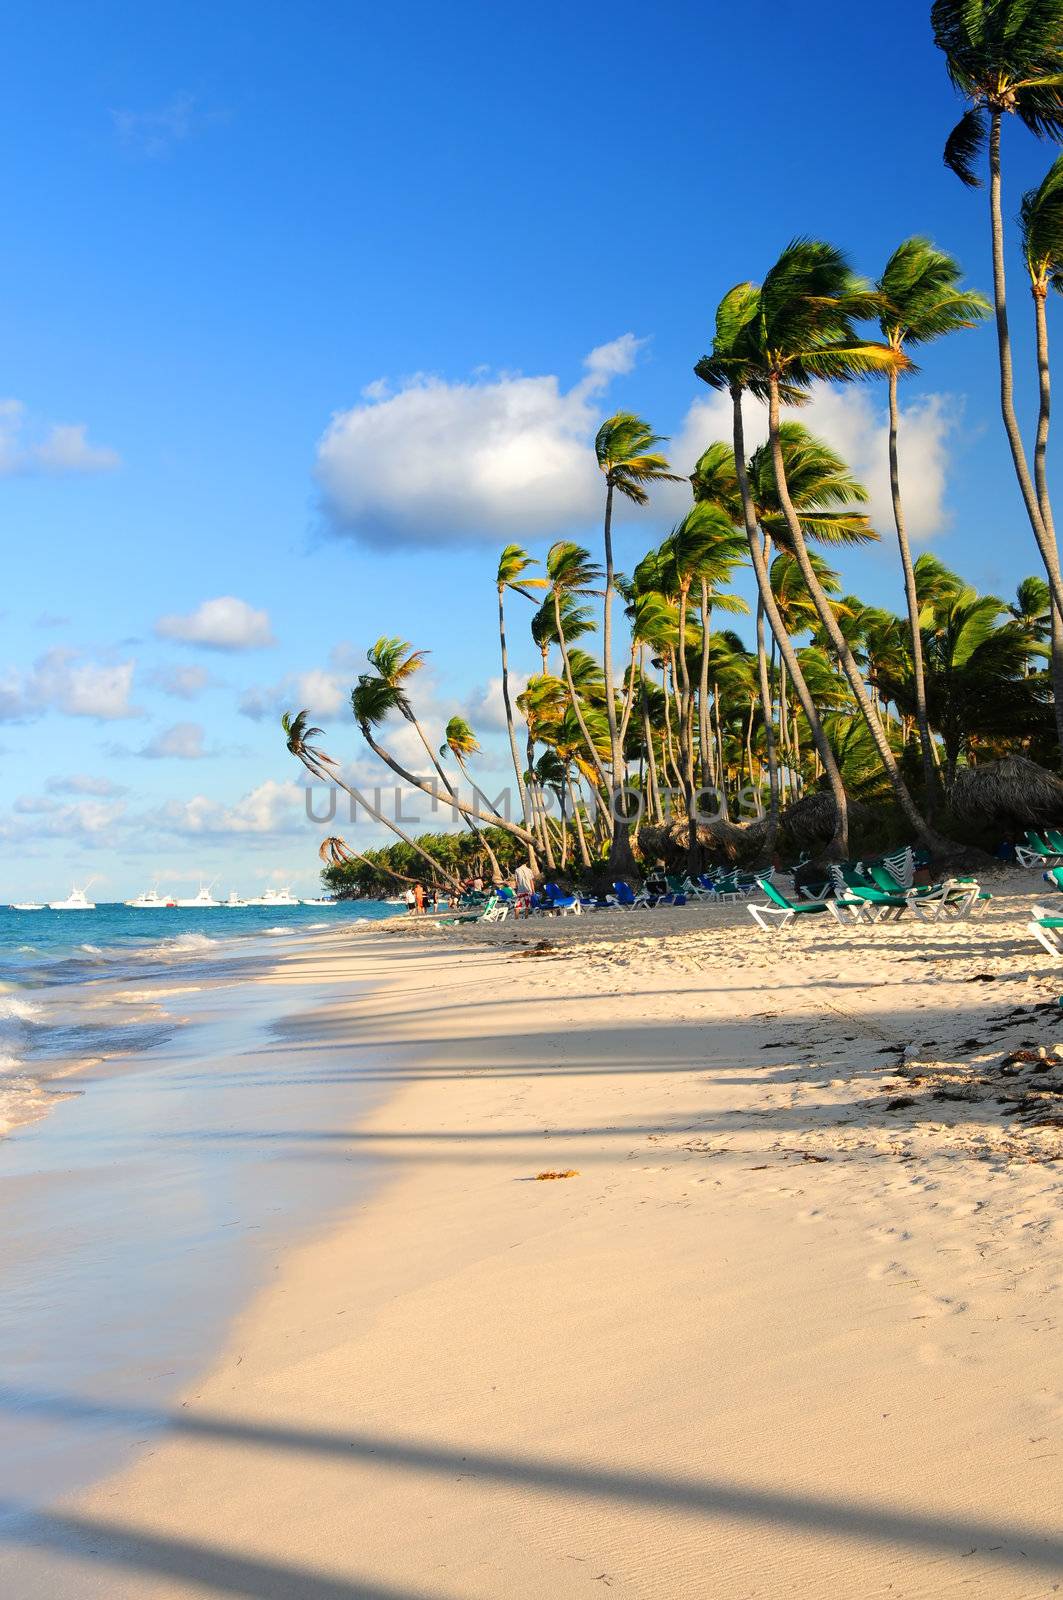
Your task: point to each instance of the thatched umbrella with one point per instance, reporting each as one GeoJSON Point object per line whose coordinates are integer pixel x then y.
{"type": "Point", "coordinates": [1011, 794]}
{"type": "Point", "coordinates": [808, 825]}
{"type": "Point", "coordinates": [739, 843]}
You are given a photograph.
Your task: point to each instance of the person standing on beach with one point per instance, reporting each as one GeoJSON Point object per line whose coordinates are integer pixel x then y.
{"type": "Point", "coordinates": [418, 898]}
{"type": "Point", "coordinates": [524, 883]}
{"type": "Point", "coordinates": [410, 899]}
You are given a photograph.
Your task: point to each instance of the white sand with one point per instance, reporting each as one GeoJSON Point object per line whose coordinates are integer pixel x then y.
{"type": "Point", "coordinates": [773, 1339]}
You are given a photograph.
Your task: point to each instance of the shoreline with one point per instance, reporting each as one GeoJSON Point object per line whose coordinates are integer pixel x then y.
{"type": "Point", "coordinates": [771, 1337]}
{"type": "Point", "coordinates": [135, 1231]}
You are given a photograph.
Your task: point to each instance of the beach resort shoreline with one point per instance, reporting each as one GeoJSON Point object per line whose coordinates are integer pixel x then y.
{"type": "Point", "coordinates": [789, 1326]}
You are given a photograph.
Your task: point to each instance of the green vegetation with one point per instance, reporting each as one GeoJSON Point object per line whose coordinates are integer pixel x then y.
{"type": "Point", "coordinates": [833, 696]}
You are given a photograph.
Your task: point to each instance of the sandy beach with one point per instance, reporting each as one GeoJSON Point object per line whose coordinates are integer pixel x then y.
{"type": "Point", "coordinates": [788, 1328]}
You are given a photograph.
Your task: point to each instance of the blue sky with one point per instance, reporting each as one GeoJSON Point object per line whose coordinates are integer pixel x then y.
{"type": "Point", "coordinates": [296, 308]}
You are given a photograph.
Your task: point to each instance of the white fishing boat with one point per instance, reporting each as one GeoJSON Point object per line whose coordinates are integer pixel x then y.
{"type": "Point", "coordinates": [76, 900]}
{"type": "Point", "coordinates": [234, 900]}
{"type": "Point", "coordinates": [201, 901]}
{"type": "Point", "coordinates": [321, 902]}
{"type": "Point", "coordinates": [152, 900]}
{"type": "Point", "coordinates": [276, 898]}
{"type": "Point", "coordinates": [26, 905]}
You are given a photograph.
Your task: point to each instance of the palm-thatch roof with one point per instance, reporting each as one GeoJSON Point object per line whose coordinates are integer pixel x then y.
{"type": "Point", "coordinates": [1010, 794]}
{"type": "Point", "coordinates": [738, 843]}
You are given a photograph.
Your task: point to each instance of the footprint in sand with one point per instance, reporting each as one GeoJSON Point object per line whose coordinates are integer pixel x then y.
{"type": "Point", "coordinates": [943, 1305]}
{"type": "Point", "coordinates": [888, 1269]}
{"type": "Point", "coordinates": [889, 1235]}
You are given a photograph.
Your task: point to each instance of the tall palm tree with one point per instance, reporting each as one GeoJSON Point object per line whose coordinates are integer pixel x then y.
{"type": "Point", "coordinates": [733, 367]}
{"type": "Point", "coordinates": [625, 446]}
{"type": "Point", "coordinates": [804, 331]}
{"type": "Point", "coordinates": [1006, 58]}
{"type": "Point", "coordinates": [299, 736]}
{"type": "Point", "coordinates": [336, 852]}
{"type": "Point", "coordinates": [922, 300]}
{"type": "Point", "coordinates": [572, 572]}
{"type": "Point", "coordinates": [513, 565]}
{"type": "Point", "coordinates": [1041, 224]}
{"type": "Point", "coordinates": [461, 743]}
{"type": "Point", "coordinates": [576, 623]}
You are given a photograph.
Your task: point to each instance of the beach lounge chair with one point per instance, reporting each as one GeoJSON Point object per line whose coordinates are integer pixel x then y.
{"type": "Point", "coordinates": [1036, 853]}
{"type": "Point", "coordinates": [782, 911]}
{"type": "Point", "coordinates": [1047, 930]}
{"type": "Point", "coordinates": [555, 900]}
{"type": "Point", "coordinates": [957, 897]}
{"type": "Point", "coordinates": [1054, 878]}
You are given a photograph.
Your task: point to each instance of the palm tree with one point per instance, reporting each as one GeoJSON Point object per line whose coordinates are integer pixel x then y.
{"type": "Point", "coordinates": [1041, 224]}
{"type": "Point", "coordinates": [513, 565]}
{"type": "Point", "coordinates": [1031, 608]}
{"type": "Point", "coordinates": [397, 663]}
{"type": "Point", "coordinates": [732, 367]}
{"type": "Point", "coordinates": [922, 300]}
{"type": "Point", "coordinates": [804, 331]}
{"type": "Point", "coordinates": [298, 735]}
{"type": "Point", "coordinates": [372, 701]}
{"type": "Point", "coordinates": [572, 572]}
{"type": "Point", "coordinates": [1006, 58]}
{"type": "Point", "coordinates": [462, 743]}
{"type": "Point", "coordinates": [336, 852]}
{"type": "Point", "coordinates": [576, 623]}
{"type": "Point", "coordinates": [625, 448]}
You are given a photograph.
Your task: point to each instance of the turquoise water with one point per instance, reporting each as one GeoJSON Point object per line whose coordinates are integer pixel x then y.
{"type": "Point", "coordinates": [78, 986]}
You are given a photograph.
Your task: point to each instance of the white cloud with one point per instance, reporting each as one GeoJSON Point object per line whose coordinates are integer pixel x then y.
{"type": "Point", "coordinates": [63, 449]}
{"type": "Point", "coordinates": [58, 681]}
{"type": "Point", "coordinates": [182, 683]}
{"type": "Point", "coordinates": [91, 821]}
{"type": "Point", "coordinates": [222, 624]}
{"type": "Point", "coordinates": [181, 742]}
{"type": "Point", "coordinates": [486, 709]}
{"type": "Point", "coordinates": [270, 808]}
{"type": "Point", "coordinates": [853, 421]}
{"type": "Point", "coordinates": [498, 457]}
{"type": "Point", "coordinates": [84, 783]}
{"type": "Point", "coordinates": [322, 693]}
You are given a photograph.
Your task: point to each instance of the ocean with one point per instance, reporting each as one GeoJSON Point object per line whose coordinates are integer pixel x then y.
{"type": "Point", "coordinates": [80, 986]}
{"type": "Point", "coordinates": [175, 1138]}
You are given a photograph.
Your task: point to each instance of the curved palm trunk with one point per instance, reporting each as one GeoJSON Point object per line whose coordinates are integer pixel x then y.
{"type": "Point", "coordinates": [839, 643]}
{"type": "Point", "coordinates": [378, 816]}
{"type": "Point", "coordinates": [484, 840]}
{"type": "Point", "coordinates": [708, 764]}
{"type": "Point", "coordinates": [764, 687]}
{"type": "Point", "coordinates": [374, 866]}
{"type": "Point", "coordinates": [651, 755]}
{"type": "Point", "coordinates": [577, 820]}
{"type": "Point", "coordinates": [686, 731]}
{"type": "Point", "coordinates": [839, 844]}
{"type": "Point", "coordinates": [918, 673]}
{"type": "Point", "coordinates": [510, 726]}
{"type": "Point", "coordinates": [468, 811]}
{"type": "Point", "coordinates": [621, 859]}
{"type": "Point", "coordinates": [573, 695]}
{"type": "Point", "coordinates": [1049, 554]}
{"type": "Point", "coordinates": [1044, 417]}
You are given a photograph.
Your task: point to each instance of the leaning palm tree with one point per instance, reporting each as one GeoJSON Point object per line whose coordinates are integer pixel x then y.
{"type": "Point", "coordinates": [336, 852]}
{"type": "Point", "coordinates": [627, 456]}
{"type": "Point", "coordinates": [733, 367]}
{"type": "Point", "coordinates": [922, 300]}
{"type": "Point", "coordinates": [461, 743]}
{"type": "Point", "coordinates": [1006, 58]}
{"type": "Point", "coordinates": [513, 566]}
{"type": "Point", "coordinates": [299, 734]}
{"type": "Point", "coordinates": [1041, 223]}
{"type": "Point", "coordinates": [809, 302]}
{"type": "Point", "coordinates": [396, 663]}
{"type": "Point", "coordinates": [372, 701]}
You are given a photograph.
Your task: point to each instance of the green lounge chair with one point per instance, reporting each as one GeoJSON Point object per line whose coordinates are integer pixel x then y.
{"type": "Point", "coordinates": [783, 911]}
{"type": "Point", "coordinates": [1036, 853]}
{"type": "Point", "coordinates": [1047, 930]}
{"type": "Point", "coordinates": [955, 897]}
